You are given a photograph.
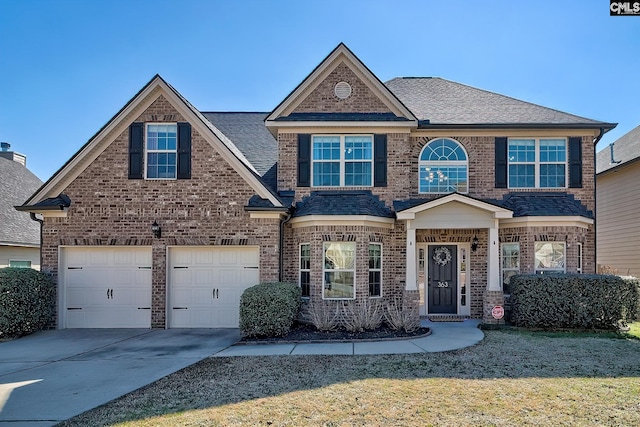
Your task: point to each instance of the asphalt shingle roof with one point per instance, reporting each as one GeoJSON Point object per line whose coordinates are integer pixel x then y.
{"type": "Point", "coordinates": [543, 204]}
{"type": "Point", "coordinates": [625, 149]}
{"type": "Point", "coordinates": [441, 101]}
{"type": "Point", "coordinates": [353, 202]}
{"type": "Point", "coordinates": [17, 183]}
{"type": "Point", "coordinates": [248, 132]}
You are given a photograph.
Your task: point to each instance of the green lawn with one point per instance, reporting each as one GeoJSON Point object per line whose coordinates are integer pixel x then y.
{"type": "Point", "coordinates": [510, 378]}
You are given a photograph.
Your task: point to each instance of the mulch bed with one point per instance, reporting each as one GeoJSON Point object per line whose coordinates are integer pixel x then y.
{"type": "Point", "coordinates": [308, 333]}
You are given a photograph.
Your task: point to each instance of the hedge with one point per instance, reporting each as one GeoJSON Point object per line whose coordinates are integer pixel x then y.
{"type": "Point", "coordinates": [269, 309]}
{"type": "Point", "coordinates": [27, 301]}
{"type": "Point", "coordinates": [573, 301]}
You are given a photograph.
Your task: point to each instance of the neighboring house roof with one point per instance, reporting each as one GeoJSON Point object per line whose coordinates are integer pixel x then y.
{"type": "Point", "coordinates": [543, 204]}
{"type": "Point", "coordinates": [17, 183]}
{"type": "Point", "coordinates": [353, 202]}
{"type": "Point", "coordinates": [622, 151]}
{"type": "Point", "coordinates": [436, 101]}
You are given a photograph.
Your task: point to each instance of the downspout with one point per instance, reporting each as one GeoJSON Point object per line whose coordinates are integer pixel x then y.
{"type": "Point", "coordinates": [281, 252]}
{"type": "Point", "coordinates": [41, 221]}
{"type": "Point", "coordinates": [595, 202]}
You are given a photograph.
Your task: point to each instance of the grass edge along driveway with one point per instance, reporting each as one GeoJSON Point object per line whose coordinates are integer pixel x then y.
{"type": "Point", "coordinates": [510, 378]}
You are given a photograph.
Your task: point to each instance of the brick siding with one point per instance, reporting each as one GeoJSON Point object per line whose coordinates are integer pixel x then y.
{"type": "Point", "coordinates": [208, 209]}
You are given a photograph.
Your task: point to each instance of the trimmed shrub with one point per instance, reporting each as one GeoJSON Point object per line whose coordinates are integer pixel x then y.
{"type": "Point", "coordinates": [269, 309]}
{"type": "Point", "coordinates": [574, 301]}
{"type": "Point", "coordinates": [27, 301]}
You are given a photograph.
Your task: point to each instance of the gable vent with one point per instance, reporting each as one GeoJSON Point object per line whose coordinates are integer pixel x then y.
{"type": "Point", "coordinates": [342, 90]}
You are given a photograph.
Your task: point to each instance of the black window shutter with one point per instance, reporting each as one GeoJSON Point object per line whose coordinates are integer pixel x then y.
{"type": "Point", "coordinates": [304, 160]}
{"type": "Point", "coordinates": [136, 150]}
{"type": "Point", "coordinates": [501, 162]}
{"type": "Point", "coordinates": [575, 162]}
{"type": "Point", "coordinates": [380, 160]}
{"type": "Point", "coordinates": [184, 151]}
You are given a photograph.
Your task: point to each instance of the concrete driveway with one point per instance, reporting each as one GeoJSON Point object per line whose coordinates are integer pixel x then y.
{"type": "Point", "coordinates": [51, 376]}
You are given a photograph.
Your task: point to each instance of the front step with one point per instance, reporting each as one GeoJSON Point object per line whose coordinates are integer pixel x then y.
{"type": "Point", "coordinates": [446, 317]}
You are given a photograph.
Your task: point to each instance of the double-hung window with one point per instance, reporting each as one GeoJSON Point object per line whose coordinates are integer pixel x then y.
{"type": "Point", "coordinates": [537, 162]}
{"type": "Point", "coordinates": [339, 270]}
{"type": "Point", "coordinates": [342, 160]}
{"type": "Point", "coordinates": [305, 269]}
{"type": "Point", "coordinates": [375, 270]}
{"type": "Point", "coordinates": [550, 257]}
{"type": "Point", "coordinates": [510, 264]}
{"type": "Point", "coordinates": [161, 151]}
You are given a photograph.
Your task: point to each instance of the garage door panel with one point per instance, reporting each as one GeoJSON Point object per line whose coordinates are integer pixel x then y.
{"type": "Point", "coordinates": [205, 291]}
{"type": "Point", "coordinates": [107, 287]}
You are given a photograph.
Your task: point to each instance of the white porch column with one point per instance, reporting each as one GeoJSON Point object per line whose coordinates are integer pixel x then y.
{"type": "Point", "coordinates": [493, 255]}
{"type": "Point", "coordinates": [411, 283]}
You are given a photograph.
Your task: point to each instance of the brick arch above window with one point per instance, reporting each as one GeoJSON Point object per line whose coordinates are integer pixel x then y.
{"type": "Point", "coordinates": [443, 167]}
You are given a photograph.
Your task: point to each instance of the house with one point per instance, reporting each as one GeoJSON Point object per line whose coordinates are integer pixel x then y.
{"type": "Point", "coordinates": [618, 202]}
{"type": "Point", "coordinates": [19, 235]}
{"type": "Point", "coordinates": [420, 192]}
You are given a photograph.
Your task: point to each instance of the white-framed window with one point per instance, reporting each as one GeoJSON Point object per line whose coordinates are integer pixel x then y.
{"type": "Point", "coordinates": [579, 268]}
{"type": "Point", "coordinates": [161, 150]}
{"type": "Point", "coordinates": [305, 270]}
{"type": "Point", "coordinates": [375, 270]}
{"type": "Point", "coordinates": [550, 257]}
{"type": "Point", "coordinates": [18, 263]}
{"type": "Point", "coordinates": [537, 162]}
{"type": "Point", "coordinates": [342, 160]}
{"type": "Point", "coordinates": [339, 274]}
{"type": "Point", "coordinates": [510, 264]}
{"type": "Point", "coordinates": [443, 167]}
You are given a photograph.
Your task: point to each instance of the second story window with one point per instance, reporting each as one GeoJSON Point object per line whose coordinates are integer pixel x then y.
{"type": "Point", "coordinates": [162, 151]}
{"type": "Point", "coordinates": [342, 160]}
{"type": "Point", "coordinates": [443, 167]}
{"type": "Point", "coordinates": [537, 162]}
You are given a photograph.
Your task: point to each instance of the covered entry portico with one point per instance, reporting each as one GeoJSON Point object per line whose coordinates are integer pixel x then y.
{"type": "Point", "coordinates": [444, 265]}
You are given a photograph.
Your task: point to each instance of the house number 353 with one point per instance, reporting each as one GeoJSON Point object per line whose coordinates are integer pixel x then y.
{"type": "Point", "coordinates": [443, 285]}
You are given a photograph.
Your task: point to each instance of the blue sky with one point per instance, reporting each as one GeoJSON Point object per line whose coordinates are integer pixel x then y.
{"type": "Point", "coordinates": [67, 67]}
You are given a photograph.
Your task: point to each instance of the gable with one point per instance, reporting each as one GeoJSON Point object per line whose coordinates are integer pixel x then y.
{"type": "Point", "coordinates": [323, 98]}
{"type": "Point", "coordinates": [363, 94]}
{"type": "Point", "coordinates": [140, 108]}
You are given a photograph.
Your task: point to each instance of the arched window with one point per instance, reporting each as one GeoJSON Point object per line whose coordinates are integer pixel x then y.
{"type": "Point", "coordinates": [443, 167]}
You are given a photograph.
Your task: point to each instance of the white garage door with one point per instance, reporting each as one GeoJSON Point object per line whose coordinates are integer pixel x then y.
{"type": "Point", "coordinates": [206, 284]}
{"type": "Point", "coordinates": [107, 287]}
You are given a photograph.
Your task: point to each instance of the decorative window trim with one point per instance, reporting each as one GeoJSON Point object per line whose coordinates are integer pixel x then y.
{"type": "Point", "coordinates": [579, 267]}
{"type": "Point", "coordinates": [428, 164]}
{"type": "Point", "coordinates": [304, 271]}
{"type": "Point", "coordinates": [20, 261]}
{"type": "Point", "coordinates": [375, 271]}
{"type": "Point", "coordinates": [147, 151]}
{"type": "Point", "coordinates": [326, 271]}
{"type": "Point", "coordinates": [537, 163]}
{"type": "Point", "coordinates": [504, 269]}
{"type": "Point", "coordinates": [545, 270]}
{"type": "Point", "coordinates": [342, 160]}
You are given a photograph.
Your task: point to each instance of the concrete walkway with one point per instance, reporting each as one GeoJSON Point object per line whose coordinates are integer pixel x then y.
{"type": "Point", "coordinates": [445, 336]}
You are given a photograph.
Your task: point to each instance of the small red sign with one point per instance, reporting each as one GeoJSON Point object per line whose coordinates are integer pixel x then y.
{"type": "Point", "coordinates": [497, 312]}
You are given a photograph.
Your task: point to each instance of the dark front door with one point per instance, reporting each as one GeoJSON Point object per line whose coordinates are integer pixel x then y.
{"type": "Point", "coordinates": [443, 279]}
